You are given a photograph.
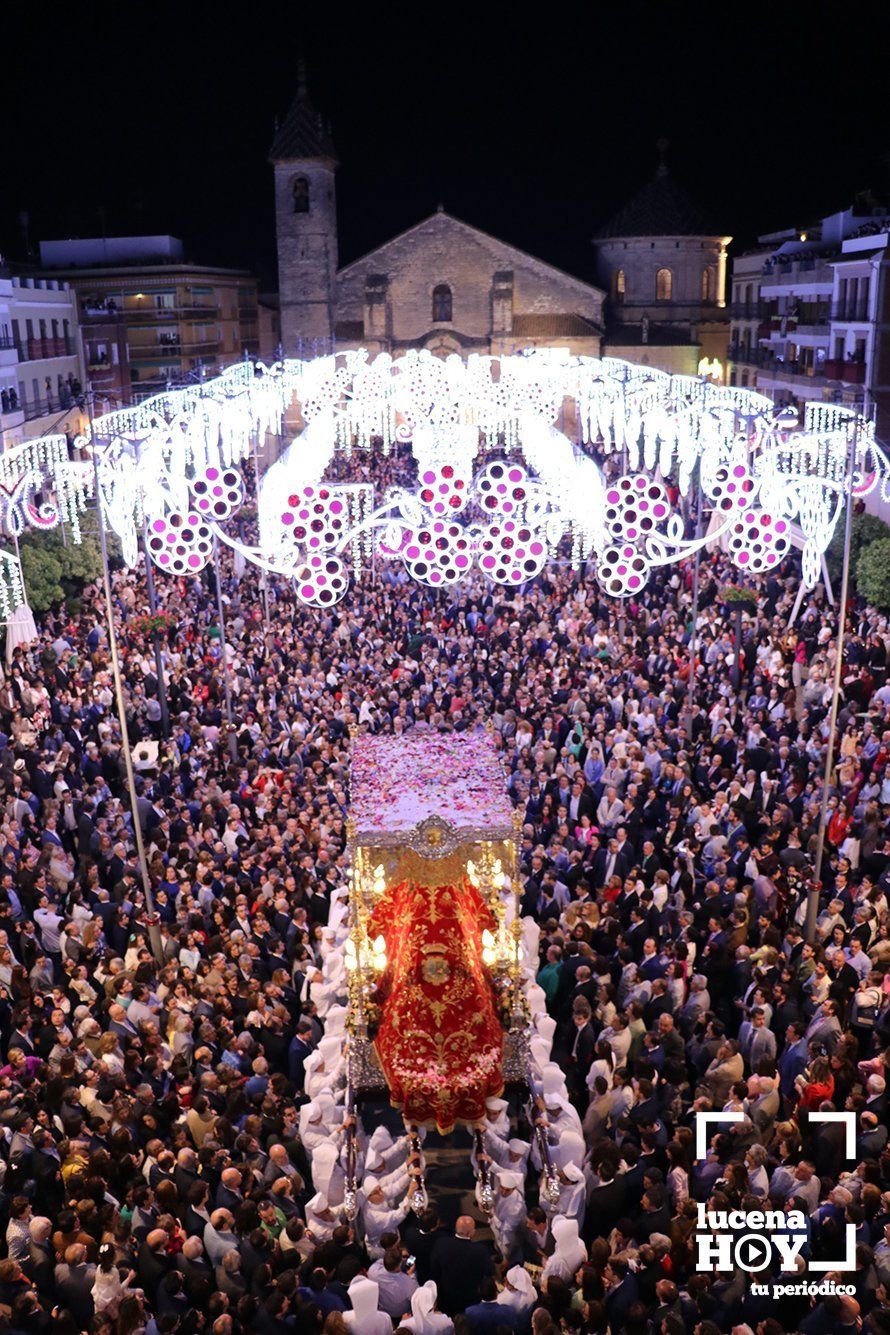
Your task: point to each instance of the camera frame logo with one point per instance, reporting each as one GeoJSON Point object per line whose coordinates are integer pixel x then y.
{"type": "Point", "coordinates": [729, 1240]}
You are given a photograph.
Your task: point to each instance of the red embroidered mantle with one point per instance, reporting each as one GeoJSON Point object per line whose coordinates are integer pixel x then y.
{"type": "Point", "coordinates": [440, 1040]}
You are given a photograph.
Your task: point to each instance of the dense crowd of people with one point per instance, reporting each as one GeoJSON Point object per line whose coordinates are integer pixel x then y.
{"type": "Point", "coordinates": [173, 1127]}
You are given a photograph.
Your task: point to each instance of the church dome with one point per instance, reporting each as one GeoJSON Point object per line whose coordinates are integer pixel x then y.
{"type": "Point", "coordinates": [661, 208]}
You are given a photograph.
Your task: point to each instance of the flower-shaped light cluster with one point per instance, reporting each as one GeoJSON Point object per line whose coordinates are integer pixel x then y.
{"type": "Point", "coordinates": [321, 581]}
{"type": "Point", "coordinates": [732, 487]}
{"type": "Point", "coordinates": [621, 569]}
{"type": "Point", "coordinates": [438, 554]}
{"type": "Point", "coordinates": [314, 517]}
{"type": "Point", "coordinates": [217, 492]}
{"type": "Point", "coordinates": [443, 491]}
{"type": "Point", "coordinates": [635, 506]}
{"type": "Point", "coordinates": [501, 488]}
{"type": "Point", "coordinates": [181, 543]}
{"type": "Point", "coordinates": [511, 552]}
{"type": "Point", "coordinates": [758, 541]}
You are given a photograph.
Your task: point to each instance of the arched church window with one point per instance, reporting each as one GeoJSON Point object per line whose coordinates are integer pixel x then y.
{"type": "Point", "coordinates": [664, 282]}
{"type": "Point", "coordinates": [442, 304]}
{"type": "Point", "coordinates": [620, 286]}
{"type": "Point", "coordinates": [301, 194]}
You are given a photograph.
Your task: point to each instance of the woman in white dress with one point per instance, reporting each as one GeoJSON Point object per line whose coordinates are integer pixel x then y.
{"type": "Point", "coordinates": [108, 1287]}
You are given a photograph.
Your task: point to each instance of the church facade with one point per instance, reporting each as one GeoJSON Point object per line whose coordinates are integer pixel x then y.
{"type": "Point", "coordinates": [448, 287]}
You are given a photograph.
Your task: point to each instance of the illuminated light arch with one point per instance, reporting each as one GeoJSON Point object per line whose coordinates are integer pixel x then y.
{"type": "Point", "coordinates": [501, 489]}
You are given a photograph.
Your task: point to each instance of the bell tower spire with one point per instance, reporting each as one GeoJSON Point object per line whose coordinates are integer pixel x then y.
{"type": "Point", "coordinates": [305, 164]}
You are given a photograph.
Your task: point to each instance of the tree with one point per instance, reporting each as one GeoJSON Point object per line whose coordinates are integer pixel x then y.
{"type": "Point", "coordinates": [865, 530]}
{"type": "Point", "coordinates": [873, 573]}
{"type": "Point", "coordinates": [53, 570]}
{"type": "Point", "coordinates": [42, 574]}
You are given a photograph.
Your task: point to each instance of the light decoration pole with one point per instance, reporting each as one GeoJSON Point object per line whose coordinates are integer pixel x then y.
{"type": "Point", "coordinates": [153, 921]}
{"type": "Point", "coordinates": [815, 886]}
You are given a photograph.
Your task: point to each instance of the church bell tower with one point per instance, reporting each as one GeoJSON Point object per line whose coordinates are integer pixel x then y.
{"type": "Point", "coordinates": [305, 163]}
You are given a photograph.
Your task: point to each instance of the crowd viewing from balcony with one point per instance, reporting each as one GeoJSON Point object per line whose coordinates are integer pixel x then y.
{"type": "Point", "coordinates": [173, 1140]}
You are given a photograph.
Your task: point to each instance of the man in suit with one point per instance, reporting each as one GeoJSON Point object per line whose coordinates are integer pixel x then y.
{"type": "Point", "coordinates": [609, 862]}
{"type": "Point", "coordinates": [420, 1239]}
{"type": "Point", "coordinates": [74, 1283]}
{"type": "Point", "coordinates": [793, 1061]}
{"type": "Point", "coordinates": [764, 1105]}
{"type": "Point", "coordinates": [458, 1265]}
{"type": "Point", "coordinates": [621, 1295]}
{"type": "Point", "coordinates": [580, 803]}
{"type": "Point", "coordinates": [580, 1042]}
{"type": "Point", "coordinates": [606, 1201]}
{"type": "Point", "coordinates": [486, 1316]}
{"type": "Point", "coordinates": [650, 863]}
{"type": "Point", "coordinates": [229, 1194]}
{"type": "Point", "coordinates": [757, 1043]}
{"type": "Point", "coordinates": [195, 1270]}
{"type": "Point", "coordinates": [825, 1028]}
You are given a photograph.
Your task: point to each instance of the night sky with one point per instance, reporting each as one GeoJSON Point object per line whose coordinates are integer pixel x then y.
{"type": "Point", "coordinates": [142, 117]}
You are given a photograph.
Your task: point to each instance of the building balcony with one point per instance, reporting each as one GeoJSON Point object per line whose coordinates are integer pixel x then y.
{"type": "Point", "coordinates": [40, 349]}
{"type": "Point", "coordinates": [852, 311]}
{"type": "Point", "coordinates": [796, 272]}
{"type": "Point", "coordinates": [852, 373]}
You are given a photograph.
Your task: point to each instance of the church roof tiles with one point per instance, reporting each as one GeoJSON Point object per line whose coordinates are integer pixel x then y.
{"type": "Point", "coordinates": [304, 133]}
{"type": "Point", "coordinates": [661, 208]}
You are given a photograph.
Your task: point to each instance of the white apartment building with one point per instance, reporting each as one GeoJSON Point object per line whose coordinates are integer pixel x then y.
{"type": "Point", "coordinates": [40, 362]}
{"type": "Point", "coordinates": [810, 314]}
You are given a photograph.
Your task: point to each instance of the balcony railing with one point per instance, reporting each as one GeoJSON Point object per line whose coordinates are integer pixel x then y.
{"type": "Point", "coordinates": [144, 352]}
{"type": "Point", "coordinates": [768, 361]}
{"type": "Point", "coordinates": [7, 343]}
{"type": "Point", "coordinates": [798, 271]}
{"type": "Point", "coordinates": [851, 372]}
{"type": "Point", "coordinates": [46, 405]}
{"type": "Point", "coordinates": [747, 310]}
{"type": "Point", "coordinates": [850, 310]}
{"type": "Point", "coordinates": [169, 312]}
{"type": "Point", "coordinates": [39, 349]}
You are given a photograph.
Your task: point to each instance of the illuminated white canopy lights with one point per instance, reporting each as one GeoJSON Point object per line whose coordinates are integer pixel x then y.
{"type": "Point", "coordinates": [500, 486]}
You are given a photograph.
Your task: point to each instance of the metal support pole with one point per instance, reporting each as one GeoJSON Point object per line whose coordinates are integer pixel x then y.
{"type": "Point", "coordinates": [693, 634]}
{"type": "Point", "coordinates": [816, 884]}
{"type": "Point", "coordinates": [230, 719]}
{"type": "Point", "coordinates": [159, 657]}
{"type": "Point", "coordinates": [154, 934]}
{"type": "Point", "coordinates": [264, 576]}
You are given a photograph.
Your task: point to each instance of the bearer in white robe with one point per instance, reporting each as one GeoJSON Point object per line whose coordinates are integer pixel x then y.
{"type": "Point", "coordinates": [518, 1292]}
{"type": "Point", "coordinates": [319, 1119]}
{"type": "Point", "coordinates": [366, 1317]}
{"type": "Point", "coordinates": [321, 1220]}
{"type": "Point", "coordinates": [508, 1219]}
{"type": "Point", "coordinates": [378, 1216]}
{"type": "Point", "coordinates": [325, 1068]}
